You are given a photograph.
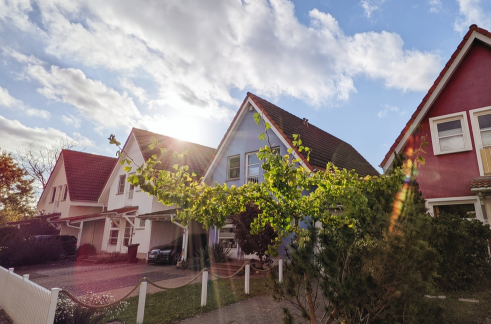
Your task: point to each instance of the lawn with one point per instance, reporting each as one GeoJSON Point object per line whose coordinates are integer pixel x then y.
{"type": "Point", "coordinates": [169, 306]}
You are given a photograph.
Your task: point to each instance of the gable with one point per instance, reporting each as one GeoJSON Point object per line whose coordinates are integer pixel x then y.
{"type": "Point", "coordinates": [469, 54]}
{"type": "Point", "coordinates": [57, 176]}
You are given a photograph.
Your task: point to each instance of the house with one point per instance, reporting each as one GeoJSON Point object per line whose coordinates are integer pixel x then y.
{"type": "Point", "coordinates": [133, 216]}
{"type": "Point", "coordinates": [236, 162]}
{"type": "Point", "coordinates": [73, 190]}
{"type": "Point", "coordinates": [455, 117]}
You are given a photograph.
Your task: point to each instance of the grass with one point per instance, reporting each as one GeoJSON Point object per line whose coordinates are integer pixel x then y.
{"type": "Point", "coordinates": [169, 306]}
{"type": "Point", "coordinates": [457, 312]}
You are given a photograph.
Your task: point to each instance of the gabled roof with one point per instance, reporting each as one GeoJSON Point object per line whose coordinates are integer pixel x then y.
{"type": "Point", "coordinates": [198, 157]}
{"type": "Point", "coordinates": [86, 174]}
{"type": "Point", "coordinates": [324, 147]}
{"type": "Point", "coordinates": [440, 82]}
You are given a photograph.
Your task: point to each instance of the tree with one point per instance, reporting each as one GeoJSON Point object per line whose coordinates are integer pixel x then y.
{"type": "Point", "coordinates": [16, 195]}
{"type": "Point", "coordinates": [39, 160]}
{"type": "Point", "coordinates": [252, 243]}
{"type": "Point", "coordinates": [292, 195]}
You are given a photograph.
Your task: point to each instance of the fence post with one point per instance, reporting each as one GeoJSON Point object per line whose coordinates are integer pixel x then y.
{"type": "Point", "coordinates": [26, 277]}
{"type": "Point", "coordinates": [52, 305]}
{"type": "Point", "coordinates": [204, 288]}
{"type": "Point", "coordinates": [247, 277]}
{"type": "Point", "coordinates": [141, 302]}
{"type": "Point", "coordinates": [280, 269]}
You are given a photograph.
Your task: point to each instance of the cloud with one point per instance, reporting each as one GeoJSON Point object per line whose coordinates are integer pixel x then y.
{"type": "Point", "coordinates": [196, 52]}
{"type": "Point", "coordinates": [388, 109]}
{"type": "Point", "coordinates": [369, 6]}
{"type": "Point", "coordinates": [6, 100]}
{"type": "Point", "coordinates": [92, 99]}
{"type": "Point", "coordinates": [71, 121]}
{"type": "Point", "coordinates": [471, 12]}
{"type": "Point", "coordinates": [435, 6]}
{"type": "Point", "coordinates": [140, 93]}
{"type": "Point", "coordinates": [21, 58]}
{"type": "Point", "coordinates": [14, 134]}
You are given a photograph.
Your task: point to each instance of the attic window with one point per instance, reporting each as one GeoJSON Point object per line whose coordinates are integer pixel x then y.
{"type": "Point", "coordinates": [121, 184]}
{"type": "Point", "coordinates": [233, 167]}
{"type": "Point", "coordinates": [450, 134]}
{"type": "Point", "coordinates": [65, 192]}
{"type": "Point", "coordinates": [53, 195]}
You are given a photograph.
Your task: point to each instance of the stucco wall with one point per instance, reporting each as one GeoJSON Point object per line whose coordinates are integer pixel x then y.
{"type": "Point", "coordinates": [450, 175]}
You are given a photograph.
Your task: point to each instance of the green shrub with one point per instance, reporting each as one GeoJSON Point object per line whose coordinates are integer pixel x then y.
{"type": "Point", "coordinates": [20, 251]}
{"type": "Point", "coordinates": [219, 254]}
{"type": "Point", "coordinates": [86, 249]}
{"type": "Point", "coordinates": [114, 257]}
{"type": "Point", "coordinates": [462, 245]}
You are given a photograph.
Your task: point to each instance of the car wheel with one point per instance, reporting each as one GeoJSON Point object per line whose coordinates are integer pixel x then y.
{"type": "Point", "coordinates": [63, 255]}
{"type": "Point", "coordinates": [175, 258]}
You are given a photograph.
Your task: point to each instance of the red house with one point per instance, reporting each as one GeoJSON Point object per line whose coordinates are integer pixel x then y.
{"type": "Point", "coordinates": [455, 117]}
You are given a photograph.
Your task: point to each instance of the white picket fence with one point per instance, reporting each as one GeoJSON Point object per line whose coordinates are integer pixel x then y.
{"type": "Point", "coordinates": [24, 301]}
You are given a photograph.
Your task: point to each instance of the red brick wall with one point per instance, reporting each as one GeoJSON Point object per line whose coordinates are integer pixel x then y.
{"type": "Point", "coordinates": [469, 88]}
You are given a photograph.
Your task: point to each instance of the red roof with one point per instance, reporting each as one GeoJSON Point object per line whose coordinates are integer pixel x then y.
{"type": "Point", "coordinates": [29, 220]}
{"type": "Point", "coordinates": [433, 87]}
{"type": "Point", "coordinates": [86, 174]}
{"type": "Point", "coordinates": [481, 182]}
{"type": "Point", "coordinates": [324, 147]}
{"type": "Point", "coordinates": [103, 214]}
{"type": "Point", "coordinates": [198, 157]}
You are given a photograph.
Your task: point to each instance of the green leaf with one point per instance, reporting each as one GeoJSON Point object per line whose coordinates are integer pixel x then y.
{"type": "Point", "coordinates": [261, 136]}
{"type": "Point", "coordinates": [127, 168]}
{"type": "Point", "coordinates": [267, 126]}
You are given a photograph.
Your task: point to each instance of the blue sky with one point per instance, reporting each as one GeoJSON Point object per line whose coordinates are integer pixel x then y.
{"type": "Point", "coordinates": [86, 69]}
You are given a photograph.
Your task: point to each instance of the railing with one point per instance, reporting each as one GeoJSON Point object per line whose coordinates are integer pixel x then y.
{"type": "Point", "coordinates": [486, 160]}
{"type": "Point", "coordinates": [24, 301]}
{"type": "Point", "coordinates": [253, 179]}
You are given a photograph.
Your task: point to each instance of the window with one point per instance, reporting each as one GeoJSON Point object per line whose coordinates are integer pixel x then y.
{"type": "Point", "coordinates": [128, 232]}
{"type": "Point", "coordinates": [53, 195]}
{"type": "Point", "coordinates": [122, 179]}
{"type": "Point", "coordinates": [233, 168]}
{"type": "Point", "coordinates": [463, 210]}
{"type": "Point", "coordinates": [252, 168]}
{"type": "Point", "coordinates": [113, 233]}
{"type": "Point", "coordinates": [131, 190]}
{"type": "Point", "coordinates": [142, 222]}
{"type": "Point", "coordinates": [450, 134]}
{"type": "Point", "coordinates": [481, 128]}
{"type": "Point", "coordinates": [484, 122]}
{"type": "Point", "coordinates": [65, 192]}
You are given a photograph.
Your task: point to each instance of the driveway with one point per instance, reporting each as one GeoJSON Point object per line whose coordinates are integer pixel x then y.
{"type": "Point", "coordinates": [81, 278]}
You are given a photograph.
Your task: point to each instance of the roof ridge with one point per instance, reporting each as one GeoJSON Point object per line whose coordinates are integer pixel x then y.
{"type": "Point", "coordinates": [472, 28]}
{"type": "Point", "coordinates": [173, 138]}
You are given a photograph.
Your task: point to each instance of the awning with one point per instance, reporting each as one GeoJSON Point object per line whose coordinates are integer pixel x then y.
{"type": "Point", "coordinates": [481, 184]}
{"type": "Point", "coordinates": [164, 215]}
{"type": "Point", "coordinates": [97, 216]}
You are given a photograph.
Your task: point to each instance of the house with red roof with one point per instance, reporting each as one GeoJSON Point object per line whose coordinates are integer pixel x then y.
{"type": "Point", "coordinates": [133, 216]}
{"type": "Point", "coordinates": [455, 119]}
{"type": "Point", "coordinates": [236, 162]}
{"type": "Point", "coordinates": [73, 190]}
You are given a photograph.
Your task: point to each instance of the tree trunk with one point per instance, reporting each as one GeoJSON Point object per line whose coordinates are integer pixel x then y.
{"type": "Point", "coordinates": [308, 295]}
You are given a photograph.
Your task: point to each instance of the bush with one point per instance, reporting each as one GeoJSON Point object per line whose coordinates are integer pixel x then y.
{"type": "Point", "coordinates": [68, 312]}
{"type": "Point", "coordinates": [219, 254]}
{"type": "Point", "coordinates": [86, 249]}
{"type": "Point", "coordinates": [20, 251]}
{"type": "Point", "coordinates": [114, 257]}
{"type": "Point", "coordinates": [462, 245]}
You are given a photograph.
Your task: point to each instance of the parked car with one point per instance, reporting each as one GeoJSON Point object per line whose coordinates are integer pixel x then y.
{"type": "Point", "coordinates": [68, 244]}
{"type": "Point", "coordinates": [171, 252]}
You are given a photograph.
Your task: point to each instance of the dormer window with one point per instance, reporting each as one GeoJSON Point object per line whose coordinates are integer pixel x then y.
{"type": "Point", "coordinates": [450, 134]}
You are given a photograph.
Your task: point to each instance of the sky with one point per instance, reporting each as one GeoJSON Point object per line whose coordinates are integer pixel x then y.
{"type": "Point", "coordinates": [82, 70]}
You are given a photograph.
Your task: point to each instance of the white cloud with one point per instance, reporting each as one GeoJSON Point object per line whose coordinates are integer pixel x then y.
{"type": "Point", "coordinates": [13, 134]}
{"type": "Point", "coordinates": [435, 6]}
{"type": "Point", "coordinates": [94, 100]}
{"type": "Point", "coordinates": [6, 100]}
{"type": "Point", "coordinates": [197, 51]}
{"type": "Point", "coordinates": [140, 93]}
{"type": "Point", "coordinates": [22, 58]}
{"type": "Point", "coordinates": [471, 12]}
{"type": "Point", "coordinates": [388, 109]}
{"type": "Point", "coordinates": [369, 7]}
{"type": "Point", "coordinates": [71, 120]}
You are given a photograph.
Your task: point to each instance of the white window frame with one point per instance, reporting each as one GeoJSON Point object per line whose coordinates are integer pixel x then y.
{"type": "Point", "coordinates": [121, 185]}
{"type": "Point", "coordinates": [65, 193]}
{"type": "Point", "coordinates": [228, 167]}
{"type": "Point", "coordinates": [476, 132]}
{"type": "Point", "coordinates": [462, 116]}
{"type": "Point", "coordinates": [53, 195]}
{"type": "Point", "coordinates": [246, 180]}
{"type": "Point", "coordinates": [131, 189]}
{"type": "Point", "coordinates": [430, 203]}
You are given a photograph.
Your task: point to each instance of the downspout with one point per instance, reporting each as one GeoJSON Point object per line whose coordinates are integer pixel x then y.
{"type": "Point", "coordinates": [185, 238]}
{"type": "Point", "coordinates": [79, 236]}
